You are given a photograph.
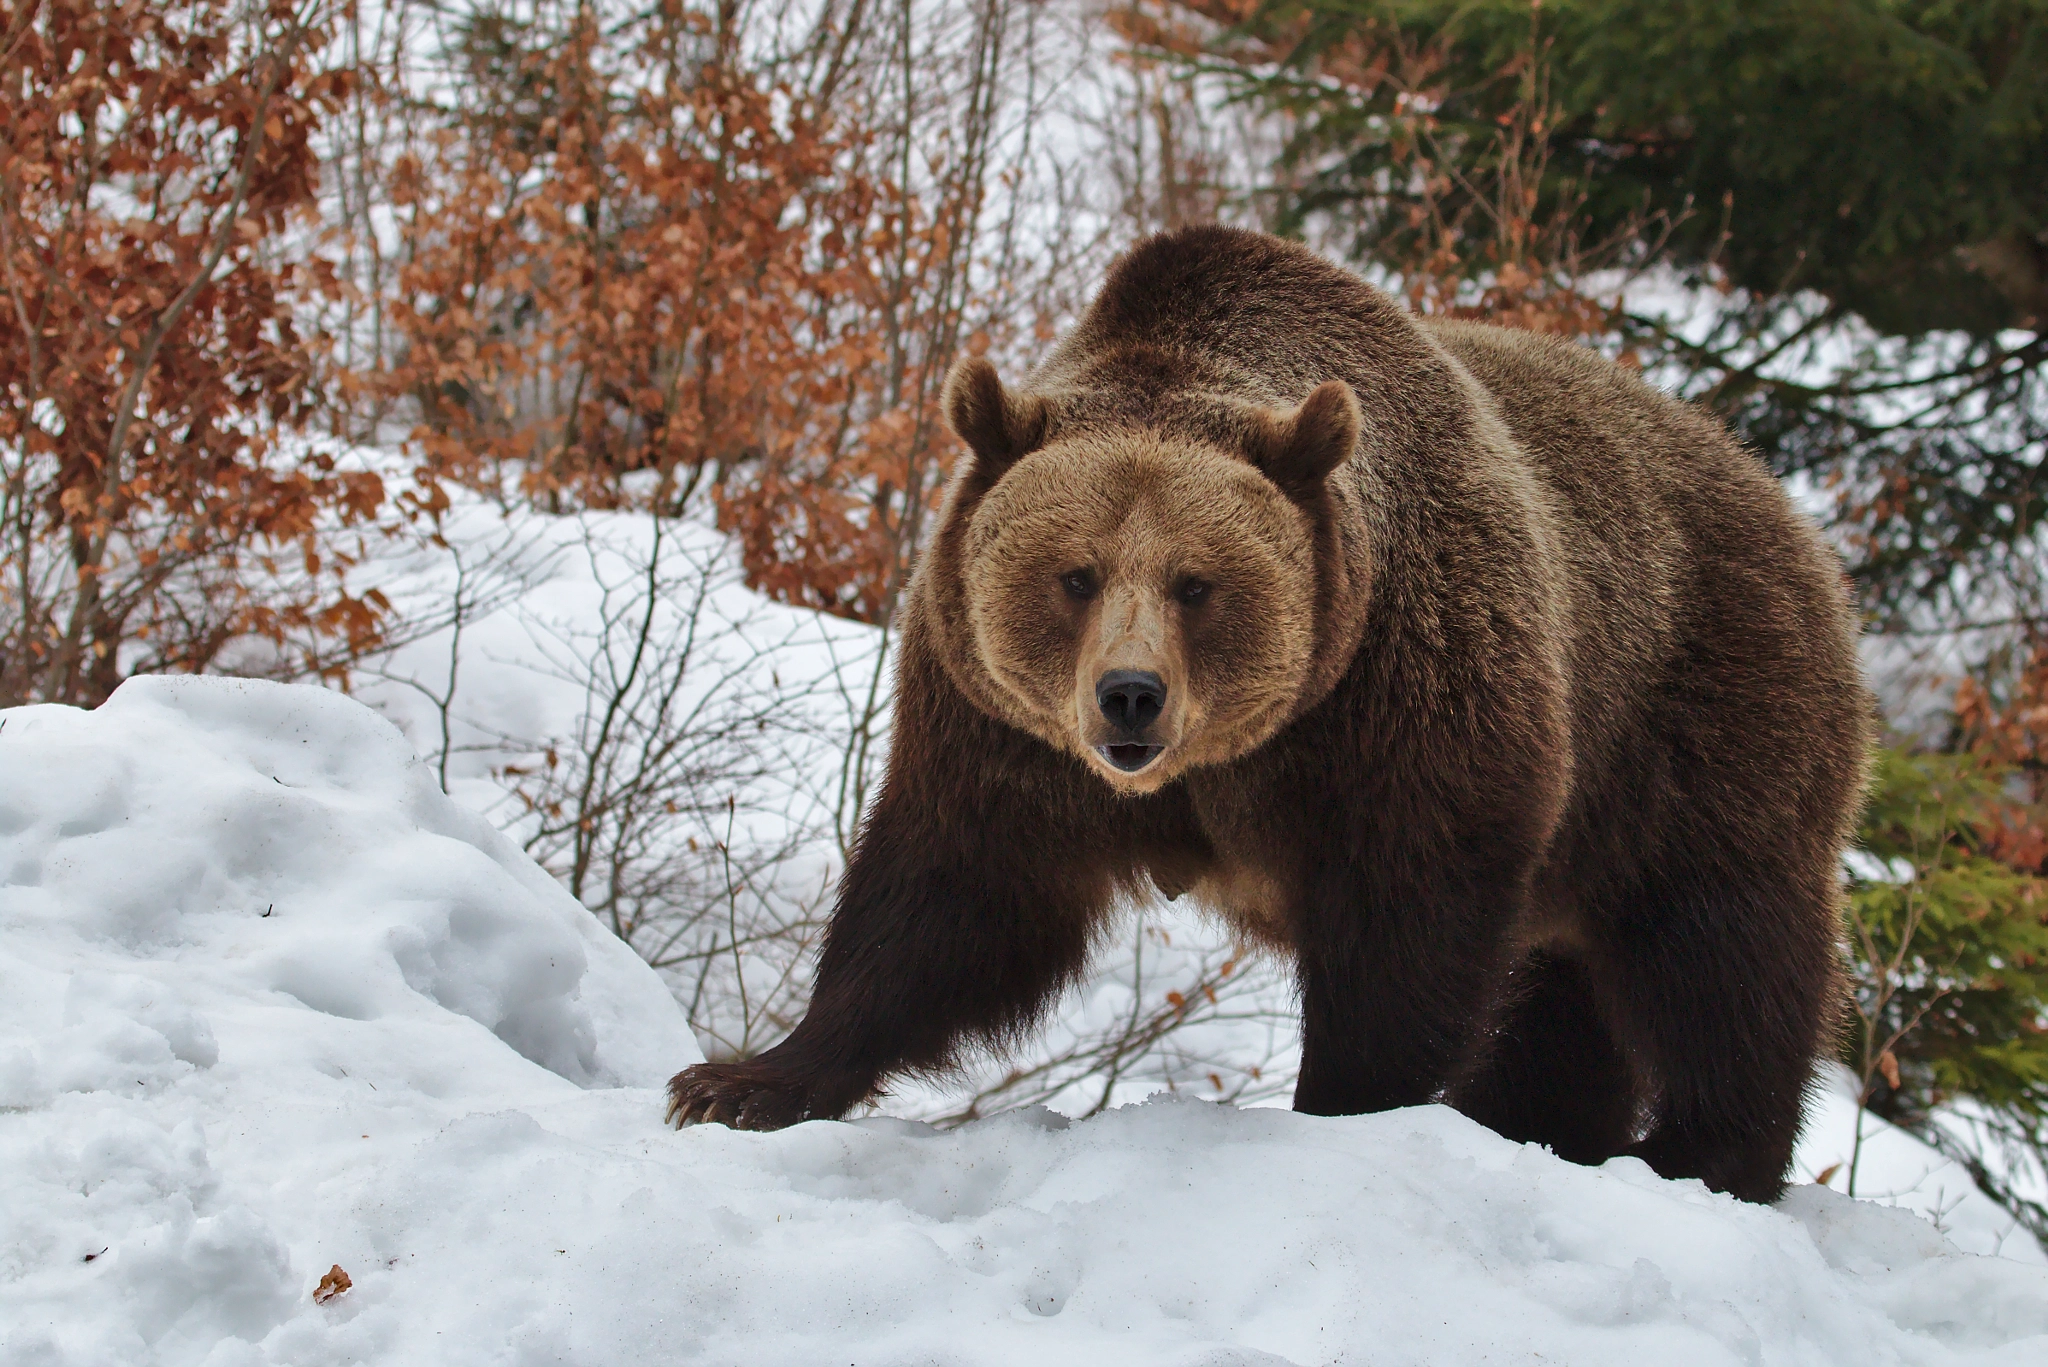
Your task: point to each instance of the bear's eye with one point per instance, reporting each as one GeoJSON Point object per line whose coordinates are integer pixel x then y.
{"type": "Point", "coordinates": [1192, 591]}
{"type": "Point", "coordinates": [1078, 584]}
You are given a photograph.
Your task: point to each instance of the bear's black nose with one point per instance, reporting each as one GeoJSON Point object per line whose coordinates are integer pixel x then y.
{"type": "Point", "coordinates": [1131, 700]}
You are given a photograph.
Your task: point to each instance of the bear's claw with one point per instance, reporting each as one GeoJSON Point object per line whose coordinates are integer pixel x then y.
{"type": "Point", "coordinates": [737, 1095]}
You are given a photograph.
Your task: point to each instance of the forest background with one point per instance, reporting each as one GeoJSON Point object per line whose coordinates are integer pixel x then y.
{"type": "Point", "coordinates": [325, 320]}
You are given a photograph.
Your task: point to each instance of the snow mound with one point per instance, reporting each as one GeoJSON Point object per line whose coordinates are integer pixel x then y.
{"type": "Point", "coordinates": [278, 847]}
{"type": "Point", "coordinates": [270, 1003]}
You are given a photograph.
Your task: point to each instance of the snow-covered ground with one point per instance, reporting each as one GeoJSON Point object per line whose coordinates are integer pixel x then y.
{"type": "Point", "coordinates": [270, 1004]}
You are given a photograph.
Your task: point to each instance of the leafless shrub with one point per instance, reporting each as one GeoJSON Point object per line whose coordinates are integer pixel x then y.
{"type": "Point", "coordinates": [1173, 1005]}
{"type": "Point", "coordinates": [649, 730]}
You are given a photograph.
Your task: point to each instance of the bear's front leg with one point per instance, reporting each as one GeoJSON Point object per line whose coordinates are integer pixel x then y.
{"type": "Point", "coordinates": [1395, 976]}
{"type": "Point", "coordinates": [969, 902]}
{"type": "Point", "coordinates": [934, 942]}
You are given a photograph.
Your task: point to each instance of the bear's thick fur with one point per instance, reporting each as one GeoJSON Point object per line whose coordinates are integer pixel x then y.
{"type": "Point", "coordinates": [1508, 696]}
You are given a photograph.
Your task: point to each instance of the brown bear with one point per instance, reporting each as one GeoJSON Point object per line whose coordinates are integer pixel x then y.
{"type": "Point", "coordinates": [1508, 696]}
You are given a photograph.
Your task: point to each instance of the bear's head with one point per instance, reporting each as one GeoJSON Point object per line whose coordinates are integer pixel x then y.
{"type": "Point", "coordinates": [1150, 594]}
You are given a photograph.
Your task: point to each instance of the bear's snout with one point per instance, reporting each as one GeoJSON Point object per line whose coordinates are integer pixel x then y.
{"type": "Point", "coordinates": [1131, 700]}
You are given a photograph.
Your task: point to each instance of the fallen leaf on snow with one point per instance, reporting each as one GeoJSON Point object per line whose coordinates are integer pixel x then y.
{"type": "Point", "coordinates": [333, 1284]}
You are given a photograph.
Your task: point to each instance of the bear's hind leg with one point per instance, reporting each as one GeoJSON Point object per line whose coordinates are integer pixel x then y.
{"type": "Point", "coordinates": [1549, 1071]}
{"type": "Point", "coordinates": [1728, 992]}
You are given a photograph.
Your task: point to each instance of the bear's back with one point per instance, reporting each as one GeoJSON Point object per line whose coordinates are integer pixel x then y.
{"type": "Point", "coordinates": [1688, 564]}
{"type": "Point", "coordinates": [1242, 311]}
{"type": "Point", "coordinates": [1652, 496]}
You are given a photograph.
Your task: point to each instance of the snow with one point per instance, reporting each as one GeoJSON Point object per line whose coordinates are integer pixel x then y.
{"type": "Point", "coordinates": [270, 1003]}
{"type": "Point", "coordinates": [1898, 1170]}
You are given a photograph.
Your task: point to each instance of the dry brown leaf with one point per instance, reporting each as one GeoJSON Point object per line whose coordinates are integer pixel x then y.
{"type": "Point", "coordinates": [333, 1284]}
{"type": "Point", "coordinates": [1888, 1064]}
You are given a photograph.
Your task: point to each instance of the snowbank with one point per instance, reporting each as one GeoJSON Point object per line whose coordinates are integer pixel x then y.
{"type": "Point", "coordinates": [270, 1003]}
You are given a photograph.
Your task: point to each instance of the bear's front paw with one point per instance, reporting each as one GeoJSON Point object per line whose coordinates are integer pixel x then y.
{"type": "Point", "coordinates": [745, 1096]}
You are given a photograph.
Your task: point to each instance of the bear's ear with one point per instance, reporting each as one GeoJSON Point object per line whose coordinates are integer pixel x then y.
{"type": "Point", "coordinates": [1302, 448]}
{"type": "Point", "coordinates": [999, 427]}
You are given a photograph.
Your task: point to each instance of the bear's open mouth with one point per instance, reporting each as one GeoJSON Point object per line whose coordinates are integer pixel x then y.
{"type": "Point", "coordinates": [1129, 758]}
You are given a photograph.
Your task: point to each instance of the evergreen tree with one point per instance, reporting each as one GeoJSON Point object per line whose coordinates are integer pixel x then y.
{"type": "Point", "coordinates": [1866, 179]}
{"type": "Point", "coordinates": [1948, 957]}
